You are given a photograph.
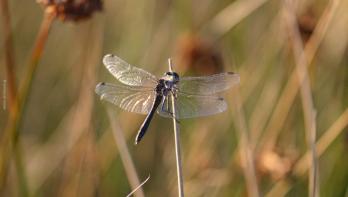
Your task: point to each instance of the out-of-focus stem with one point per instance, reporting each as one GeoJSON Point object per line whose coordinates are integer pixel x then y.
{"type": "Point", "coordinates": [245, 150]}
{"type": "Point", "coordinates": [177, 142]}
{"type": "Point", "coordinates": [9, 137]}
{"type": "Point", "coordinates": [230, 16]}
{"type": "Point", "coordinates": [289, 93]}
{"type": "Point", "coordinates": [283, 186]}
{"type": "Point", "coordinates": [10, 84]}
{"type": "Point", "coordinates": [314, 172]}
{"type": "Point", "coordinates": [302, 165]}
{"type": "Point", "coordinates": [126, 158]}
{"type": "Point", "coordinates": [36, 54]}
{"type": "Point", "coordinates": [306, 94]}
{"type": "Point", "coordinates": [9, 58]}
{"type": "Point", "coordinates": [21, 172]}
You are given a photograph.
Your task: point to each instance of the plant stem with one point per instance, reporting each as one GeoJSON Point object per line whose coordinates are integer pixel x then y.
{"type": "Point", "coordinates": [245, 150]}
{"type": "Point", "coordinates": [9, 58]}
{"type": "Point", "coordinates": [289, 93]}
{"type": "Point", "coordinates": [177, 143]}
{"type": "Point", "coordinates": [126, 158]}
{"type": "Point", "coordinates": [10, 135]}
{"type": "Point", "coordinates": [302, 165]}
{"type": "Point", "coordinates": [21, 172]}
{"type": "Point", "coordinates": [306, 93]}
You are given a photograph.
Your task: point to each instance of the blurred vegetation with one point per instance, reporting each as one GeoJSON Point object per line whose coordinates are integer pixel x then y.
{"type": "Point", "coordinates": [59, 139]}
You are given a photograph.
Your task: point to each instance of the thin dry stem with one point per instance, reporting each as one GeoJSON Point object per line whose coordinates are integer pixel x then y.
{"type": "Point", "coordinates": [11, 87]}
{"type": "Point", "coordinates": [77, 119]}
{"type": "Point", "coordinates": [177, 142]}
{"type": "Point", "coordinates": [61, 142]}
{"type": "Point", "coordinates": [323, 143]}
{"type": "Point", "coordinates": [36, 54]}
{"type": "Point", "coordinates": [245, 150]}
{"type": "Point", "coordinates": [282, 187]}
{"type": "Point", "coordinates": [304, 163]}
{"type": "Point", "coordinates": [11, 130]}
{"type": "Point", "coordinates": [271, 42]}
{"type": "Point", "coordinates": [9, 58]}
{"type": "Point", "coordinates": [232, 15]}
{"type": "Point", "coordinates": [259, 116]}
{"type": "Point", "coordinates": [289, 93]}
{"type": "Point", "coordinates": [314, 186]}
{"type": "Point", "coordinates": [137, 188]}
{"type": "Point", "coordinates": [126, 158]}
{"type": "Point", "coordinates": [306, 94]}
{"type": "Point", "coordinates": [79, 167]}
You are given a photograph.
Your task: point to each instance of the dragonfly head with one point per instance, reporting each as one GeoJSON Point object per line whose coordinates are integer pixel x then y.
{"type": "Point", "coordinates": [171, 76]}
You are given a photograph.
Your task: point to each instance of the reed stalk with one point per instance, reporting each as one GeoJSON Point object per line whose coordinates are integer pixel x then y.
{"type": "Point", "coordinates": [306, 93]}
{"type": "Point", "coordinates": [126, 158]}
{"type": "Point", "coordinates": [10, 135]}
{"type": "Point", "coordinates": [177, 142]}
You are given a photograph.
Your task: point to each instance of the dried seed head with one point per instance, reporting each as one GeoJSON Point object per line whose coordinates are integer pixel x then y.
{"type": "Point", "coordinates": [274, 164]}
{"type": "Point", "coordinates": [197, 55]}
{"type": "Point", "coordinates": [73, 10]}
{"type": "Point", "coordinates": [307, 22]}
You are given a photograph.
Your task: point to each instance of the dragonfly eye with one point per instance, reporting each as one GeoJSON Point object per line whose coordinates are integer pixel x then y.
{"type": "Point", "coordinates": [176, 76]}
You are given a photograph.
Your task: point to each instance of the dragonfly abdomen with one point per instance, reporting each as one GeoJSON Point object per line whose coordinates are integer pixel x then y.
{"type": "Point", "coordinates": [146, 123]}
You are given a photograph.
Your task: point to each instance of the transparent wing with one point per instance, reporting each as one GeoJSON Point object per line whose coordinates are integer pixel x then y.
{"type": "Point", "coordinates": [190, 106]}
{"type": "Point", "coordinates": [207, 85]}
{"type": "Point", "coordinates": [130, 98]}
{"type": "Point", "coordinates": [127, 73]}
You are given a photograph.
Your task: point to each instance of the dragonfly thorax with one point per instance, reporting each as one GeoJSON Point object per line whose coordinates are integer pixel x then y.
{"type": "Point", "coordinates": [165, 86]}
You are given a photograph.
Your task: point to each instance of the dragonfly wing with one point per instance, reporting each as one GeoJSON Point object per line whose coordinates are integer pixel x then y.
{"type": "Point", "coordinates": [128, 74]}
{"type": "Point", "coordinates": [190, 106]}
{"type": "Point", "coordinates": [207, 85]}
{"type": "Point", "coordinates": [130, 98]}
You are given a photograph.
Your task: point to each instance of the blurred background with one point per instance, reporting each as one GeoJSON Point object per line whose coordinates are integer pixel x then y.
{"type": "Point", "coordinates": [284, 133]}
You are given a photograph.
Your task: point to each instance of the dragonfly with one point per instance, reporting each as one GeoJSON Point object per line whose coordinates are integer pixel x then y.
{"type": "Point", "coordinates": [142, 92]}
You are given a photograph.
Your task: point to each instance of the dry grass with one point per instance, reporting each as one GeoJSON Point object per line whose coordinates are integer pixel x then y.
{"type": "Point", "coordinates": [284, 132]}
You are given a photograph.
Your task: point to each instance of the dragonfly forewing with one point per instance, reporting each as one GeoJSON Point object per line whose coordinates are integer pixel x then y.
{"type": "Point", "coordinates": [128, 74]}
{"type": "Point", "coordinates": [130, 98]}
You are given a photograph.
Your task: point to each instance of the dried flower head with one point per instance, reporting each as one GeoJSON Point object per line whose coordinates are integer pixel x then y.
{"type": "Point", "coordinates": [307, 22]}
{"type": "Point", "coordinates": [274, 164]}
{"type": "Point", "coordinates": [198, 56]}
{"type": "Point", "coordinates": [74, 10]}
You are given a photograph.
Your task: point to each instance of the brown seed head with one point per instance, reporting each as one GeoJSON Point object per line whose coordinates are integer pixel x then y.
{"type": "Point", "coordinates": [74, 10]}
{"type": "Point", "coordinates": [307, 22]}
{"type": "Point", "coordinates": [197, 55]}
{"type": "Point", "coordinates": [274, 164]}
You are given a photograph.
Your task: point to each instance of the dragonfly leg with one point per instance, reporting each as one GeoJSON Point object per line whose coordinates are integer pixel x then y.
{"type": "Point", "coordinates": [162, 104]}
{"type": "Point", "coordinates": [166, 108]}
{"type": "Point", "coordinates": [167, 105]}
{"type": "Point", "coordinates": [171, 113]}
{"type": "Point", "coordinates": [174, 92]}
